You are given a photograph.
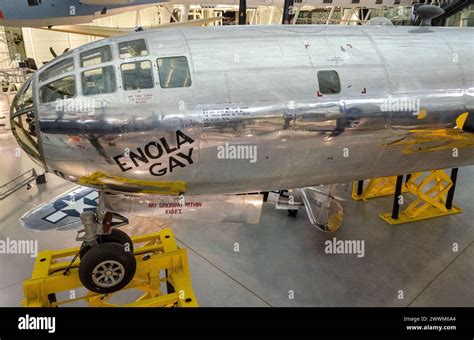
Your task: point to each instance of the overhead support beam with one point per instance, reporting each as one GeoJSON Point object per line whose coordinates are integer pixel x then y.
{"type": "Point", "coordinates": [138, 19]}
{"type": "Point", "coordinates": [330, 15]}
{"type": "Point", "coordinates": [252, 17]}
{"type": "Point", "coordinates": [296, 13]}
{"type": "Point", "coordinates": [184, 13]}
{"type": "Point", "coordinates": [274, 15]}
{"type": "Point", "coordinates": [242, 12]}
{"type": "Point", "coordinates": [367, 15]}
{"type": "Point", "coordinates": [166, 13]}
{"type": "Point", "coordinates": [288, 12]}
{"type": "Point", "coordinates": [349, 15]}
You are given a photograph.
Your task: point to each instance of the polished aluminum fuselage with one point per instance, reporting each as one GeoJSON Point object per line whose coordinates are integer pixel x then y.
{"type": "Point", "coordinates": [257, 86]}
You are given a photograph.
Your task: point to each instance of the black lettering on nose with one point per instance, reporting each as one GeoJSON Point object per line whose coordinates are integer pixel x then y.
{"type": "Point", "coordinates": [153, 147]}
{"type": "Point", "coordinates": [174, 163]}
{"type": "Point", "coordinates": [141, 157]}
{"type": "Point", "coordinates": [187, 157]}
{"type": "Point", "coordinates": [159, 172]}
{"type": "Point", "coordinates": [185, 139]}
{"type": "Point", "coordinates": [155, 150]}
{"type": "Point", "coordinates": [121, 164]}
{"type": "Point", "coordinates": [166, 146]}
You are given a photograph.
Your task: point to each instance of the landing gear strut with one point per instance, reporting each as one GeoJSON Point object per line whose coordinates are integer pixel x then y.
{"type": "Point", "coordinates": [107, 261]}
{"type": "Point", "coordinates": [115, 236]}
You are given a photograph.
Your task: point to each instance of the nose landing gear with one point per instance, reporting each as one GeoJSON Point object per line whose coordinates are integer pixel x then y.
{"type": "Point", "coordinates": [107, 261]}
{"type": "Point", "coordinates": [162, 275]}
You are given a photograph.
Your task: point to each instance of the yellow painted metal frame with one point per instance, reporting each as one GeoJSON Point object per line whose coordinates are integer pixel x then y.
{"type": "Point", "coordinates": [158, 251]}
{"type": "Point", "coordinates": [430, 192]}
{"type": "Point", "coordinates": [376, 187]}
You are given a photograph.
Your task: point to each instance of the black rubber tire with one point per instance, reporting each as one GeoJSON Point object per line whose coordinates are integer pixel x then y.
{"type": "Point", "coordinates": [116, 236]}
{"type": "Point", "coordinates": [106, 252]}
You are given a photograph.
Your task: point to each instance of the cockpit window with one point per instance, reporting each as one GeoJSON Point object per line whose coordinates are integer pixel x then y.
{"type": "Point", "coordinates": [96, 56]}
{"type": "Point", "coordinates": [24, 99]}
{"type": "Point", "coordinates": [137, 75]}
{"type": "Point", "coordinates": [23, 123]}
{"type": "Point", "coordinates": [23, 128]}
{"type": "Point", "coordinates": [133, 49]}
{"type": "Point", "coordinates": [64, 66]}
{"type": "Point", "coordinates": [99, 81]}
{"type": "Point", "coordinates": [174, 72]}
{"type": "Point", "coordinates": [329, 82]}
{"type": "Point", "coordinates": [59, 89]}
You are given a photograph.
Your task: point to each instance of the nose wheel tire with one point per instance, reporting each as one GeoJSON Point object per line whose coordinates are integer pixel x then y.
{"type": "Point", "coordinates": [107, 268]}
{"type": "Point", "coordinates": [116, 236]}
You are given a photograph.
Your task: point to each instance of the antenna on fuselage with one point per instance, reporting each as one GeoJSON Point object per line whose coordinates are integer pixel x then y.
{"type": "Point", "coordinates": [427, 13]}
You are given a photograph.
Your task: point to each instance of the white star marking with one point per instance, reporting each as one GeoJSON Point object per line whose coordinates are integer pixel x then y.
{"type": "Point", "coordinates": [77, 205]}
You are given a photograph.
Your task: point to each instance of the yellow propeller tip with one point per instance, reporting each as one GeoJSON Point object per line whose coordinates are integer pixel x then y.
{"type": "Point", "coordinates": [422, 114]}
{"type": "Point", "coordinates": [461, 120]}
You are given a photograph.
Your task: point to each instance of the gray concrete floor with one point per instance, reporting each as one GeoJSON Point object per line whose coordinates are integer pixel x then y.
{"type": "Point", "coordinates": [282, 256]}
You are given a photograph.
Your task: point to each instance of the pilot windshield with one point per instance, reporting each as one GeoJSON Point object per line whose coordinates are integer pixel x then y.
{"type": "Point", "coordinates": [22, 118]}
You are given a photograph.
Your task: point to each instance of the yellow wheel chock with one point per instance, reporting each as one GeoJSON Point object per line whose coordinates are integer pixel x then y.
{"type": "Point", "coordinates": [158, 253]}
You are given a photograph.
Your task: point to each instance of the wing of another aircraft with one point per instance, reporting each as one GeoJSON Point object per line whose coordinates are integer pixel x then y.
{"type": "Point", "coordinates": [106, 32]}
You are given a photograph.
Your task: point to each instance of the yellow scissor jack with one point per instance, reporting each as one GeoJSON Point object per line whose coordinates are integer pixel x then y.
{"type": "Point", "coordinates": [376, 187]}
{"type": "Point", "coordinates": [433, 191]}
{"type": "Point", "coordinates": [433, 198]}
{"type": "Point", "coordinates": [53, 273]}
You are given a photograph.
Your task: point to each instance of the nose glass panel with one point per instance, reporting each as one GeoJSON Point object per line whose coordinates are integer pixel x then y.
{"type": "Point", "coordinates": [23, 121]}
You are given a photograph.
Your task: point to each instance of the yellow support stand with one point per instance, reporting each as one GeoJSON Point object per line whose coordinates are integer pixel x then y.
{"type": "Point", "coordinates": [376, 187]}
{"type": "Point", "coordinates": [158, 252]}
{"type": "Point", "coordinates": [431, 194]}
